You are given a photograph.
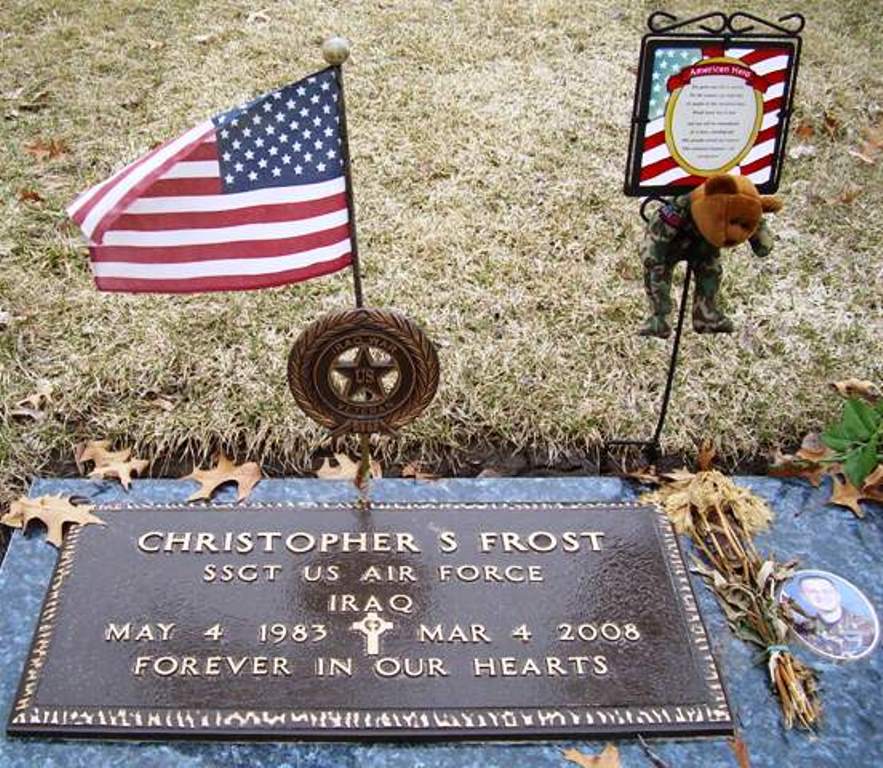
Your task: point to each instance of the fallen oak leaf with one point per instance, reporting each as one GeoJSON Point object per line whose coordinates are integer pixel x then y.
{"type": "Point", "coordinates": [804, 129]}
{"type": "Point", "coordinates": [871, 146]}
{"type": "Point", "coordinates": [786, 465]}
{"type": "Point", "coordinates": [608, 758]}
{"type": "Point", "coordinates": [46, 150]}
{"type": "Point", "coordinates": [122, 470]}
{"type": "Point", "coordinates": [706, 456]}
{"type": "Point", "coordinates": [53, 511]}
{"type": "Point", "coordinates": [845, 494]}
{"type": "Point", "coordinates": [29, 196]}
{"type": "Point", "coordinates": [43, 394]}
{"type": "Point", "coordinates": [813, 449]}
{"type": "Point", "coordinates": [872, 488]}
{"type": "Point", "coordinates": [27, 413]}
{"type": "Point", "coordinates": [108, 463]}
{"type": "Point", "coordinates": [806, 463]}
{"type": "Point", "coordinates": [98, 452]}
{"type": "Point", "coordinates": [862, 388]}
{"type": "Point", "coordinates": [246, 476]}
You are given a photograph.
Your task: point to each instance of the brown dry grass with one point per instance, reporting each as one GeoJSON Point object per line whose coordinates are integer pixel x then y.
{"type": "Point", "coordinates": [489, 143]}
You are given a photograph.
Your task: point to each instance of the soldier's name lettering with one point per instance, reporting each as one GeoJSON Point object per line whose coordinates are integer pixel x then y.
{"type": "Point", "coordinates": [344, 542]}
{"type": "Point", "coordinates": [438, 608]}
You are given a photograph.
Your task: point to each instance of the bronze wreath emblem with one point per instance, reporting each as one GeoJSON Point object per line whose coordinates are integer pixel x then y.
{"type": "Point", "coordinates": [363, 370]}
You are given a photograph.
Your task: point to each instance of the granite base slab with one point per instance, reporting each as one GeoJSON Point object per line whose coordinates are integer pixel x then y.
{"type": "Point", "coordinates": [821, 536]}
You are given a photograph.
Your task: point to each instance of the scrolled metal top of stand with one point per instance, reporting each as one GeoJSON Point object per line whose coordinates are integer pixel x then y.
{"type": "Point", "coordinates": [363, 370]}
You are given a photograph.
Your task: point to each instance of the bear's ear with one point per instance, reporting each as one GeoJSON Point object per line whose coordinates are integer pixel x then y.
{"type": "Point", "coordinates": [721, 185]}
{"type": "Point", "coordinates": [770, 203]}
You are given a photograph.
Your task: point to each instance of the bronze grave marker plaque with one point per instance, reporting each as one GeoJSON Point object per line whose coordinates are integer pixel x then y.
{"type": "Point", "coordinates": [431, 620]}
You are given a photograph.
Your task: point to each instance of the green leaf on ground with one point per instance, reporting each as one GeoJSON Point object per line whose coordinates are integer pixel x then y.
{"type": "Point", "coordinates": [861, 462]}
{"type": "Point", "coordinates": [836, 440]}
{"type": "Point", "coordinates": [860, 421]}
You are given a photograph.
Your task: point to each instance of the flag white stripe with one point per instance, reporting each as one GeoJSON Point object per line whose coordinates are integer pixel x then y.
{"type": "Point", "coordinates": [193, 169]}
{"type": "Point", "coordinates": [277, 230]}
{"type": "Point", "coordinates": [118, 191]}
{"type": "Point", "coordinates": [667, 177]}
{"type": "Point", "coordinates": [655, 126]}
{"type": "Point", "coordinates": [221, 267]}
{"type": "Point", "coordinates": [770, 65]}
{"type": "Point", "coordinates": [774, 91]}
{"type": "Point", "coordinates": [769, 120]}
{"type": "Point", "coordinates": [759, 151]}
{"type": "Point", "coordinates": [236, 200]}
{"type": "Point", "coordinates": [653, 155]}
{"type": "Point", "coordinates": [761, 175]}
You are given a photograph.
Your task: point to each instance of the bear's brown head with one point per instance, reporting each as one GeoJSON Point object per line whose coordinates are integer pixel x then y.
{"type": "Point", "coordinates": [727, 209]}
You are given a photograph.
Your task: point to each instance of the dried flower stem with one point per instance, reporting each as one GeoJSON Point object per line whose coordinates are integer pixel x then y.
{"type": "Point", "coordinates": [720, 519]}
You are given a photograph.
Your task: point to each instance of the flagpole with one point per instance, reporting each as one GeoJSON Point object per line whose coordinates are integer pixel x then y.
{"type": "Point", "coordinates": [336, 51]}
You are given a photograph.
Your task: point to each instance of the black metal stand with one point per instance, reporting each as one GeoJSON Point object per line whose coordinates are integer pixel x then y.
{"type": "Point", "coordinates": [651, 446]}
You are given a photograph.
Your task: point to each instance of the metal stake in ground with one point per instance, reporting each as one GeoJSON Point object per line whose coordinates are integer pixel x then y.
{"type": "Point", "coordinates": [336, 51]}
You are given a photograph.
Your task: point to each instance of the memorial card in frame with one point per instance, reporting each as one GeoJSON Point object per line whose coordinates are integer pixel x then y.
{"type": "Point", "coordinates": [709, 105]}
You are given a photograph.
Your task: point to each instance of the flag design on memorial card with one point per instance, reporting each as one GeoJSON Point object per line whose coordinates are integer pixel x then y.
{"type": "Point", "coordinates": [253, 198]}
{"type": "Point", "coordinates": [658, 167]}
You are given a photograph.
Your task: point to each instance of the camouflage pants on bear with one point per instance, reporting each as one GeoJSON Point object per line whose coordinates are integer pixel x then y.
{"type": "Point", "coordinates": [659, 260]}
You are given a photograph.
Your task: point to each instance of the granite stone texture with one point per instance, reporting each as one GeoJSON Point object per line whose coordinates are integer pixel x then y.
{"type": "Point", "coordinates": [820, 536]}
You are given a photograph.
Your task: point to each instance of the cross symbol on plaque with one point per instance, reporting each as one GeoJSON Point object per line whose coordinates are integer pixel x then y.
{"type": "Point", "coordinates": [372, 627]}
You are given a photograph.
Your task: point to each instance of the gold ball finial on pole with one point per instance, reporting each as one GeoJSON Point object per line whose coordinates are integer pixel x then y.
{"type": "Point", "coordinates": [336, 50]}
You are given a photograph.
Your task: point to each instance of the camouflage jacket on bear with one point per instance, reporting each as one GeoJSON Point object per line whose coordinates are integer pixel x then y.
{"type": "Point", "coordinates": [672, 234]}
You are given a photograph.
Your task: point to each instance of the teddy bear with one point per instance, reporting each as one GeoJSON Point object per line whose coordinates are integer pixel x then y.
{"type": "Point", "coordinates": [724, 212]}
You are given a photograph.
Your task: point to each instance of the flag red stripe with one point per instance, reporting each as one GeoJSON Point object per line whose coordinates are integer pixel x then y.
{"type": "Point", "coordinates": [654, 141]}
{"type": "Point", "coordinates": [246, 249]}
{"type": "Point", "coordinates": [776, 76]}
{"type": "Point", "coordinates": [684, 181]}
{"type": "Point", "coordinates": [772, 104]}
{"type": "Point", "coordinates": [660, 166]}
{"type": "Point", "coordinates": [260, 214]}
{"type": "Point", "coordinates": [223, 283]}
{"type": "Point", "coordinates": [208, 150]}
{"type": "Point", "coordinates": [179, 187]}
{"type": "Point", "coordinates": [762, 54]}
{"type": "Point", "coordinates": [766, 134]}
{"type": "Point", "coordinates": [756, 165]}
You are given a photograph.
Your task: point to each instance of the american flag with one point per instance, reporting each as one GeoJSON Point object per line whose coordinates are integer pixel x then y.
{"type": "Point", "coordinates": [253, 198]}
{"type": "Point", "coordinates": [657, 166]}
